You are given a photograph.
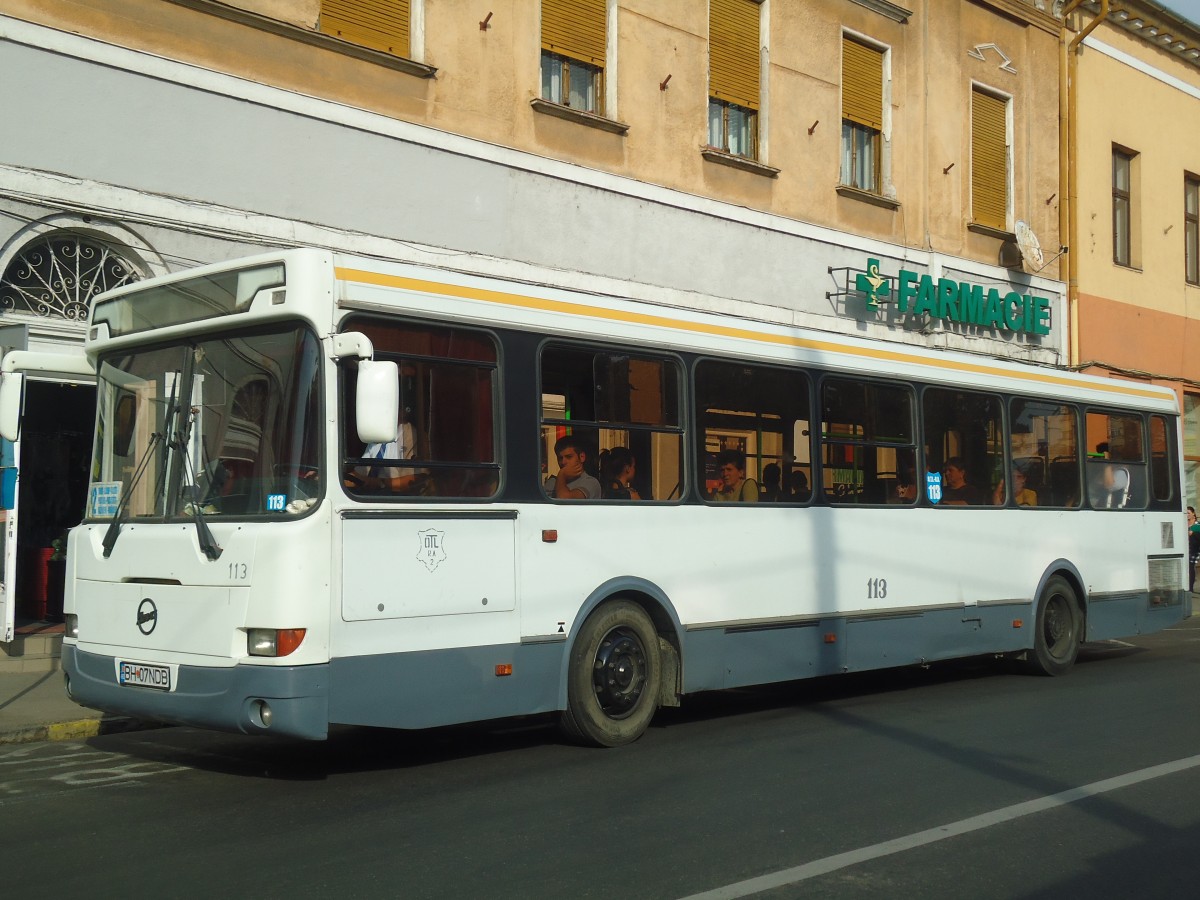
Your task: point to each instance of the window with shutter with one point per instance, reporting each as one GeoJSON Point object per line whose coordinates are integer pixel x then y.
{"type": "Point", "coordinates": [378, 24]}
{"type": "Point", "coordinates": [574, 49]}
{"type": "Point", "coordinates": [989, 159]}
{"type": "Point", "coordinates": [862, 114]}
{"type": "Point", "coordinates": [733, 76]}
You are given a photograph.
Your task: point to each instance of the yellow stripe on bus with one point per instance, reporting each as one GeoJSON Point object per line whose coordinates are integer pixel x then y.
{"type": "Point", "coordinates": [658, 321]}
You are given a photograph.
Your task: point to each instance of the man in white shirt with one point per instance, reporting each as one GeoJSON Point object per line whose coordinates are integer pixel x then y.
{"type": "Point", "coordinates": [380, 477]}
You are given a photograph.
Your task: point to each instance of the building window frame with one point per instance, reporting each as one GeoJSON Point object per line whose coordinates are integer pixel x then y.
{"type": "Point", "coordinates": [1191, 228]}
{"type": "Point", "coordinates": [577, 54]}
{"type": "Point", "coordinates": [991, 160]}
{"type": "Point", "coordinates": [736, 56]}
{"type": "Point", "coordinates": [1122, 205]}
{"type": "Point", "coordinates": [569, 82]}
{"type": "Point", "coordinates": [865, 96]}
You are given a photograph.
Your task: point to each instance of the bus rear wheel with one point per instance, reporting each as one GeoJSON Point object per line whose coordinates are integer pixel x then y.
{"type": "Point", "coordinates": [613, 676]}
{"type": "Point", "coordinates": [1057, 629]}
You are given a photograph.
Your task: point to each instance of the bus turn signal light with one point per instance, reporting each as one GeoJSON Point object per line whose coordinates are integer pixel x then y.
{"type": "Point", "coordinates": [1017, 623]}
{"type": "Point", "coordinates": [503, 669]}
{"type": "Point", "coordinates": [274, 641]}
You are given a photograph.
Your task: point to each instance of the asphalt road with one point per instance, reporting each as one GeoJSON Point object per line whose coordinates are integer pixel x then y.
{"type": "Point", "coordinates": [959, 781]}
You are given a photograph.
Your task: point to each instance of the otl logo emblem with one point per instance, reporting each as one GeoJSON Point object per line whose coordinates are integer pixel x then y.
{"type": "Point", "coordinates": [431, 547]}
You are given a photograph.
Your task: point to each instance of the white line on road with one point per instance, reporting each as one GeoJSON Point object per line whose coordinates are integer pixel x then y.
{"type": "Point", "coordinates": [932, 835]}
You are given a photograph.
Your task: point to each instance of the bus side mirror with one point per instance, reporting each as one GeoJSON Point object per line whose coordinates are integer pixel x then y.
{"type": "Point", "coordinates": [377, 401]}
{"type": "Point", "coordinates": [12, 392]}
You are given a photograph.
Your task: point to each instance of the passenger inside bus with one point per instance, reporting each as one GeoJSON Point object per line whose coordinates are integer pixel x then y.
{"type": "Point", "coordinates": [798, 482]}
{"type": "Point", "coordinates": [572, 482]}
{"type": "Point", "coordinates": [772, 492]}
{"type": "Point", "coordinates": [397, 479]}
{"type": "Point", "coordinates": [957, 491]}
{"type": "Point", "coordinates": [1022, 495]}
{"type": "Point", "coordinates": [736, 487]}
{"type": "Point", "coordinates": [619, 468]}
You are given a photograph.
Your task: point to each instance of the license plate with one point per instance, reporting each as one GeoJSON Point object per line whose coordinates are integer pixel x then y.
{"type": "Point", "coordinates": [144, 675]}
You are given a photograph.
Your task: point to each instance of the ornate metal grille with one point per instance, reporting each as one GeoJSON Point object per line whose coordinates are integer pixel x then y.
{"type": "Point", "coordinates": [59, 276]}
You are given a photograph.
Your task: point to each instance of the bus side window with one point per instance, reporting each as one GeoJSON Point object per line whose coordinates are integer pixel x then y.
{"type": "Point", "coordinates": [1117, 460]}
{"type": "Point", "coordinates": [606, 400]}
{"type": "Point", "coordinates": [1044, 442]}
{"type": "Point", "coordinates": [759, 414]}
{"type": "Point", "coordinates": [867, 442]}
{"type": "Point", "coordinates": [964, 440]}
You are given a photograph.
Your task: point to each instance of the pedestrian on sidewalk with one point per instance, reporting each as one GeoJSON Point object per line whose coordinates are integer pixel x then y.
{"type": "Point", "coordinates": [1193, 547]}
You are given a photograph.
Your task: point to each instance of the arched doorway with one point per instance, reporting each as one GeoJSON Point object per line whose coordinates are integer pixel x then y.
{"type": "Point", "coordinates": [48, 285]}
{"type": "Point", "coordinates": [58, 274]}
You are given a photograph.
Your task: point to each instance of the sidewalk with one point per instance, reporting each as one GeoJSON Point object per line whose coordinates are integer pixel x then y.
{"type": "Point", "coordinates": [35, 707]}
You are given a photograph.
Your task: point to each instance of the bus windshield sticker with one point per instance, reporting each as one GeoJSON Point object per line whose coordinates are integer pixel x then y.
{"type": "Point", "coordinates": [276, 502]}
{"type": "Point", "coordinates": [104, 498]}
{"type": "Point", "coordinates": [933, 486]}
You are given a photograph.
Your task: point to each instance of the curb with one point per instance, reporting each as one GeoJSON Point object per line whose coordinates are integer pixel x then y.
{"type": "Point", "coordinates": [79, 729]}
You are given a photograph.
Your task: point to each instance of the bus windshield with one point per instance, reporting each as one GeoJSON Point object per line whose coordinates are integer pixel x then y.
{"type": "Point", "coordinates": [219, 426]}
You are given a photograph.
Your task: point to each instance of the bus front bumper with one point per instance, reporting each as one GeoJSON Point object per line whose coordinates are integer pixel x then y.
{"type": "Point", "coordinates": [291, 701]}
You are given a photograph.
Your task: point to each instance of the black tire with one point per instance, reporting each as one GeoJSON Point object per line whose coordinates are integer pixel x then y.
{"type": "Point", "coordinates": [1057, 629]}
{"type": "Point", "coordinates": [613, 676]}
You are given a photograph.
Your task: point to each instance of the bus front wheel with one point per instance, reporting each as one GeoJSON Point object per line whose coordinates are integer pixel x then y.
{"type": "Point", "coordinates": [1057, 629]}
{"type": "Point", "coordinates": [613, 676]}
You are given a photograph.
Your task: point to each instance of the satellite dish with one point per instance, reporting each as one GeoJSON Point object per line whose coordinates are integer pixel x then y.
{"type": "Point", "coordinates": [1031, 250]}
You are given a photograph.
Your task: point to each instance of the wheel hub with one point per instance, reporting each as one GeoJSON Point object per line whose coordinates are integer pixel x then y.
{"type": "Point", "coordinates": [619, 672]}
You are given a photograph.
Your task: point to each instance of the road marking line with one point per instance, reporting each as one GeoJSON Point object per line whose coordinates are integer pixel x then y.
{"type": "Point", "coordinates": [817, 867]}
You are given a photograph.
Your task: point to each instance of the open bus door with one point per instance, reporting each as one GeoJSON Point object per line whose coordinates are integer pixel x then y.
{"type": "Point", "coordinates": [68, 364]}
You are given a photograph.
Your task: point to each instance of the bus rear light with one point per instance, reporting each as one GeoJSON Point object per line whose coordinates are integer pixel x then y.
{"type": "Point", "coordinates": [273, 641]}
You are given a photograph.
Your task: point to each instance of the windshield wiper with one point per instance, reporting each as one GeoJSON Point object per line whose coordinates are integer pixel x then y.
{"type": "Point", "coordinates": [204, 535]}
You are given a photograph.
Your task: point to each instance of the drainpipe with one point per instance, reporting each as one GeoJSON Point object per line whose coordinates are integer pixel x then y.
{"type": "Point", "coordinates": [1068, 170]}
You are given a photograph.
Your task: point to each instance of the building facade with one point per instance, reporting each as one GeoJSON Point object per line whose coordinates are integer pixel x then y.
{"type": "Point", "coordinates": [773, 159]}
{"type": "Point", "coordinates": [1135, 232]}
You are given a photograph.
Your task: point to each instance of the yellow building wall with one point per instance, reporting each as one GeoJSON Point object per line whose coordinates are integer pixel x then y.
{"type": "Point", "coordinates": [485, 80]}
{"type": "Point", "coordinates": [1145, 317]}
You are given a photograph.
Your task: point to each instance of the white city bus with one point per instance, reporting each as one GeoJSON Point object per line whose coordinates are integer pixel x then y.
{"type": "Point", "coordinates": [325, 490]}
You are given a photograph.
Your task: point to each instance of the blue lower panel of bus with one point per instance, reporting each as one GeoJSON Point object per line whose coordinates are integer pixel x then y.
{"type": "Point", "coordinates": [1124, 615]}
{"type": "Point", "coordinates": [741, 655]}
{"type": "Point", "coordinates": [227, 699]}
{"type": "Point", "coordinates": [444, 687]}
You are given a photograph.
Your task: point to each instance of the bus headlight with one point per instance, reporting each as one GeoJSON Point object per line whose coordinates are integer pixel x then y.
{"type": "Point", "coordinates": [71, 625]}
{"type": "Point", "coordinates": [273, 641]}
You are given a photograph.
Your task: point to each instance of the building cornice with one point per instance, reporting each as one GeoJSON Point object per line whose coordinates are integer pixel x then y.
{"type": "Point", "coordinates": [1025, 12]}
{"type": "Point", "coordinates": [1154, 25]}
{"type": "Point", "coordinates": [884, 8]}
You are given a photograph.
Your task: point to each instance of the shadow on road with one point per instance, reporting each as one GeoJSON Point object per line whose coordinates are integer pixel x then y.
{"type": "Point", "coordinates": [357, 749]}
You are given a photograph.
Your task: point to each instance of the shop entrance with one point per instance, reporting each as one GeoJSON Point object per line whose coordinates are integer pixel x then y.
{"type": "Point", "coordinates": [55, 450]}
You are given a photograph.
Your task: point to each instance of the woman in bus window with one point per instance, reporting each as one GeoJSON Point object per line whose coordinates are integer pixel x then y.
{"type": "Point", "coordinates": [618, 468]}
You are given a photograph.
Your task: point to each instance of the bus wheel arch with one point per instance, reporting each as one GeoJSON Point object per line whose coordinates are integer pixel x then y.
{"type": "Point", "coordinates": [623, 663]}
{"type": "Point", "coordinates": [1059, 623]}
